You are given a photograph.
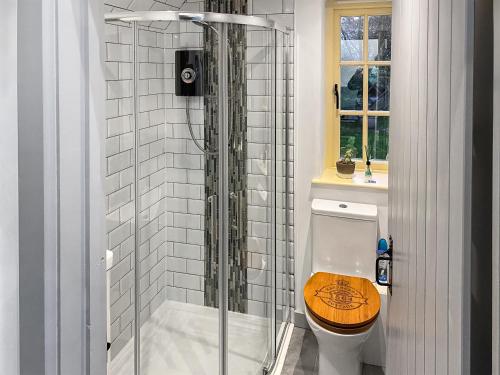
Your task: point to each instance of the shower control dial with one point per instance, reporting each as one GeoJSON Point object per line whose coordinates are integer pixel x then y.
{"type": "Point", "coordinates": [188, 75]}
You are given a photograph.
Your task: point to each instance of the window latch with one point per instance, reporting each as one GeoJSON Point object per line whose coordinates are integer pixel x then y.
{"type": "Point", "coordinates": [336, 93]}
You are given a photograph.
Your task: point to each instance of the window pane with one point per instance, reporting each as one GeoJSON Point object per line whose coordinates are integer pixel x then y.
{"type": "Point", "coordinates": [351, 38]}
{"type": "Point", "coordinates": [351, 135]}
{"type": "Point", "coordinates": [379, 82]}
{"type": "Point", "coordinates": [378, 137]}
{"type": "Point", "coordinates": [379, 38]}
{"type": "Point", "coordinates": [351, 88]}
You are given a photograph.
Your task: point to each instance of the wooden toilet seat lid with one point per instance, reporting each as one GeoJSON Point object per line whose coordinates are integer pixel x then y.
{"type": "Point", "coordinates": [342, 301]}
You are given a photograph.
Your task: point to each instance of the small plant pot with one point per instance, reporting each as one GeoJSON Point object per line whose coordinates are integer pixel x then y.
{"type": "Point", "coordinates": [345, 169]}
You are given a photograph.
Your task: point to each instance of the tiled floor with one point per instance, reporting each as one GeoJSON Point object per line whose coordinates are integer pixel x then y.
{"type": "Point", "coordinates": [302, 356]}
{"type": "Point", "coordinates": [182, 339]}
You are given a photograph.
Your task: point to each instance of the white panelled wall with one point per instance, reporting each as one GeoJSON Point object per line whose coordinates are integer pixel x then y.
{"type": "Point", "coordinates": [429, 186]}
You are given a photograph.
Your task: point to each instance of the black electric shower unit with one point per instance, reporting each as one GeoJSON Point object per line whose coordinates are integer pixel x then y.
{"type": "Point", "coordinates": [189, 73]}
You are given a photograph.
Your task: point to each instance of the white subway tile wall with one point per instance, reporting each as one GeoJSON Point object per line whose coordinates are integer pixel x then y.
{"type": "Point", "coordinates": [185, 173]}
{"type": "Point", "coordinates": [171, 172]}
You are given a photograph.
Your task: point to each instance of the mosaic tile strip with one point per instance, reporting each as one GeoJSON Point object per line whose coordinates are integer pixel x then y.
{"type": "Point", "coordinates": [238, 215]}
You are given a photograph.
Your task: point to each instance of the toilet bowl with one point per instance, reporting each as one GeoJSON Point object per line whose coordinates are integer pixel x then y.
{"type": "Point", "coordinates": [341, 302]}
{"type": "Point", "coordinates": [338, 354]}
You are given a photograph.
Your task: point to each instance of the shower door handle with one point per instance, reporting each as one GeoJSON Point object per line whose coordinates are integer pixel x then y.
{"type": "Point", "coordinates": [238, 206]}
{"type": "Point", "coordinates": [212, 200]}
{"type": "Point", "coordinates": [241, 207]}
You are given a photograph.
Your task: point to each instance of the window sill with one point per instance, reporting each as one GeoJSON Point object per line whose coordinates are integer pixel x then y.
{"type": "Point", "coordinates": [330, 178]}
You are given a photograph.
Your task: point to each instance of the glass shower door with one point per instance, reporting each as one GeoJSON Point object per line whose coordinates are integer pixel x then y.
{"type": "Point", "coordinates": [256, 264]}
{"type": "Point", "coordinates": [250, 248]}
{"type": "Point", "coordinates": [251, 120]}
{"type": "Point", "coordinates": [178, 216]}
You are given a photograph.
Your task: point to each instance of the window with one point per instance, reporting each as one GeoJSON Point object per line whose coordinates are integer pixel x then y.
{"type": "Point", "coordinates": [358, 75]}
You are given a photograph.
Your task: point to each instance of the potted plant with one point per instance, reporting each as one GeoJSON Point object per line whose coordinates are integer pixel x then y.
{"type": "Point", "coordinates": [345, 166]}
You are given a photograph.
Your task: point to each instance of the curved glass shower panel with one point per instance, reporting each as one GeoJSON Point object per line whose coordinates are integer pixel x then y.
{"type": "Point", "coordinates": [283, 197]}
{"type": "Point", "coordinates": [180, 330]}
{"type": "Point", "coordinates": [250, 272]}
{"type": "Point", "coordinates": [260, 210]}
{"type": "Point", "coordinates": [208, 219]}
{"type": "Point", "coordinates": [120, 196]}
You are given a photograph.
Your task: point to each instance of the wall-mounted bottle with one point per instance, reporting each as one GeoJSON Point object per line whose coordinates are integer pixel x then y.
{"type": "Point", "coordinates": [383, 266]}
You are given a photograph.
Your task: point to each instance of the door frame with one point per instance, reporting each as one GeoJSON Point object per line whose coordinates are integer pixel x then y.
{"type": "Point", "coordinates": [496, 197]}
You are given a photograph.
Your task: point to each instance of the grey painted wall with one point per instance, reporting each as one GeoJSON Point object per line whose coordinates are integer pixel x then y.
{"type": "Point", "coordinates": [31, 189]}
{"type": "Point", "coordinates": [9, 265]}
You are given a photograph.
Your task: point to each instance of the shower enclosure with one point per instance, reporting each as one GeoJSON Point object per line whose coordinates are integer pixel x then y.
{"type": "Point", "coordinates": [197, 202]}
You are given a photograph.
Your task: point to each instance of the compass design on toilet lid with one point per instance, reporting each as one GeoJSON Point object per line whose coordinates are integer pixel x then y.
{"type": "Point", "coordinates": [342, 301]}
{"type": "Point", "coordinates": [340, 295]}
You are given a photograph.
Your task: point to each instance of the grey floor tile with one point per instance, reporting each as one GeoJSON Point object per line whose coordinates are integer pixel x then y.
{"type": "Point", "coordinates": [302, 355]}
{"type": "Point", "coordinates": [372, 370]}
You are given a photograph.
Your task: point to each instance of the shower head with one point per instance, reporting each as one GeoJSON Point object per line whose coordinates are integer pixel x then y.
{"type": "Point", "coordinates": [200, 23]}
{"type": "Point", "coordinates": [205, 25]}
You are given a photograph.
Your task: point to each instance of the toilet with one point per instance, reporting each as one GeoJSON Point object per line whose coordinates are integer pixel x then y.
{"type": "Point", "coordinates": [342, 302]}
